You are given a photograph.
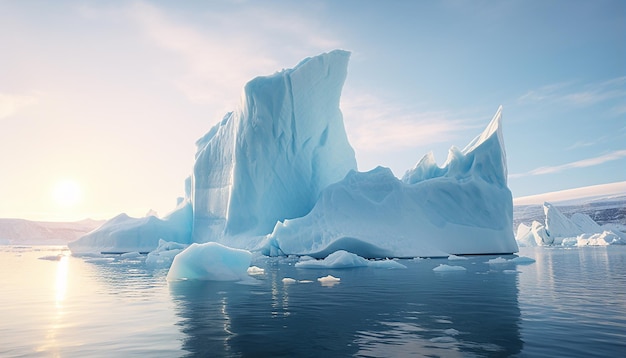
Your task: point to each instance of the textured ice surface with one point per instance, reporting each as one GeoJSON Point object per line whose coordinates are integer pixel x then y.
{"type": "Point", "coordinates": [210, 261]}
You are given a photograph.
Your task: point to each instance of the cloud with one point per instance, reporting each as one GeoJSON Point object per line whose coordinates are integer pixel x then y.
{"type": "Point", "coordinates": [12, 104]}
{"type": "Point", "coordinates": [615, 155]}
{"type": "Point", "coordinates": [375, 125]}
{"type": "Point", "coordinates": [582, 95]}
{"type": "Point", "coordinates": [229, 46]}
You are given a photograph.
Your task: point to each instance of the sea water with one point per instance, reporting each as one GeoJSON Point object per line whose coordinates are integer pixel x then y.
{"type": "Point", "coordinates": [569, 302]}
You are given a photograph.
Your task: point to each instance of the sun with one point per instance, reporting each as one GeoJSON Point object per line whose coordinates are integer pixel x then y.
{"type": "Point", "coordinates": [67, 193]}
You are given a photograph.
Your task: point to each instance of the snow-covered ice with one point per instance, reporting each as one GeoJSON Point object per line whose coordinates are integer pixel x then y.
{"type": "Point", "coordinates": [210, 261]}
{"type": "Point", "coordinates": [456, 258]}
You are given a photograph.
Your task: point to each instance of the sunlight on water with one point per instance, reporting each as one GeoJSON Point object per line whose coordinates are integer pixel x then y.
{"type": "Point", "coordinates": [570, 302]}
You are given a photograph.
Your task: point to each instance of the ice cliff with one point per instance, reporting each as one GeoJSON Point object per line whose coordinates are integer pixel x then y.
{"type": "Point", "coordinates": [557, 229]}
{"type": "Point", "coordinates": [269, 160]}
{"type": "Point", "coordinates": [278, 176]}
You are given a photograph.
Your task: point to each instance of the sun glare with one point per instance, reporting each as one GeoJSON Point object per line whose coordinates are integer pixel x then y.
{"type": "Point", "coordinates": [67, 193]}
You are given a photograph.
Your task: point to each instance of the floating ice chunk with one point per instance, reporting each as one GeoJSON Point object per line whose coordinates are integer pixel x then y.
{"type": "Point", "coordinates": [448, 268]}
{"type": "Point", "coordinates": [52, 257]}
{"type": "Point", "coordinates": [255, 270]}
{"type": "Point", "coordinates": [305, 281]}
{"type": "Point", "coordinates": [210, 261]}
{"type": "Point", "coordinates": [522, 260]}
{"type": "Point", "coordinates": [289, 280]}
{"type": "Point", "coordinates": [385, 264]}
{"type": "Point", "coordinates": [497, 260]}
{"type": "Point", "coordinates": [344, 259]}
{"type": "Point", "coordinates": [451, 332]}
{"type": "Point", "coordinates": [330, 279]}
{"type": "Point", "coordinates": [455, 257]}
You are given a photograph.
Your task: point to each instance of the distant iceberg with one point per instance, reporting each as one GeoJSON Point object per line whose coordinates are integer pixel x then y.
{"type": "Point", "coordinates": [578, 230]}
{"type": "Point", "coordinates": [278, 176]}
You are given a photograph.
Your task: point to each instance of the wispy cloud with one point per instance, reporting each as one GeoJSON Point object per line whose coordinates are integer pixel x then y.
{"type": "Point", "coordinates": [229, 46]}
{"type": "Point", "coordinates": [575, 94]}
{"type": "Point", "coordinates": [615, 155]}
{"type": "Point", "coordinates": [373, 124]}
{"type": "Point", "coordinates": [11, 104]}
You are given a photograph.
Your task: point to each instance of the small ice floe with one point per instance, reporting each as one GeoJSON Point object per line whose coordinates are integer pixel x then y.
{"type": "Point", "coordinates": [497, 260]}
{"type": "Point", "coordinates": [511, 271]}
{"type": "Point", "coordinates": [289, 280]}
{"type": "Point", "coordinates": [343, 259]}
{"type": "Point", "coordinates": [451, 332]}
{"type": "Point", "coordinates": [448, 268]}
{"type": "Point", "coordinates": [52, 257]}
{"type": "Point", "coordinates": [255, 270]}
{"type": "Point", "coordinates": [129, 255]}
{"type": "Point", "coordinates": [329, 280]}
{"type": "Point", "coordinates": [456, 258]}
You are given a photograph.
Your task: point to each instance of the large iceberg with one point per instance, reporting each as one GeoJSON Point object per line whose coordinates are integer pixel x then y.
{"type": "Point", "coordinates": [278, 176]}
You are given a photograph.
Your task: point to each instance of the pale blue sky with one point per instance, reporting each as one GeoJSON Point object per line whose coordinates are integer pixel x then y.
{"type": "Point", "coordinates": [112, 95]}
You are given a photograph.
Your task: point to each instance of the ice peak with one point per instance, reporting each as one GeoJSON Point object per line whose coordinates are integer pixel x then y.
{"type": "Point", "coordinates": [484, 156]}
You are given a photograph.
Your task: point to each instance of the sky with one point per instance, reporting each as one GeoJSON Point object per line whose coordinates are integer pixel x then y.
{"type": "Point", "coordinates": [101, 102]}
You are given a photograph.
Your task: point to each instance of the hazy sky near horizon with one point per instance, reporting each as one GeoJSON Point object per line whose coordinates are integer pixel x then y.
{"type": "Point", "coordinates": [101, 102]}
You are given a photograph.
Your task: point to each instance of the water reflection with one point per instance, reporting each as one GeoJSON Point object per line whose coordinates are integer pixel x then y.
{"type": "Point", "coordinates": [371, 313]}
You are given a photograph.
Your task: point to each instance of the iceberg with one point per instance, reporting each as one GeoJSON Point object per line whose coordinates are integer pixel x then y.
{"type": "Point", "coordinates": [578, 230]}
{"type": "Point", "coordinates": [278, 176]}
{"type": "Point", "coordinates": [464, 207]}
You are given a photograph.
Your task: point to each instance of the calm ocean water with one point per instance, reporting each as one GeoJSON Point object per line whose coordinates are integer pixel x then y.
{"type": "Point", "coordinates": [570, 302]}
